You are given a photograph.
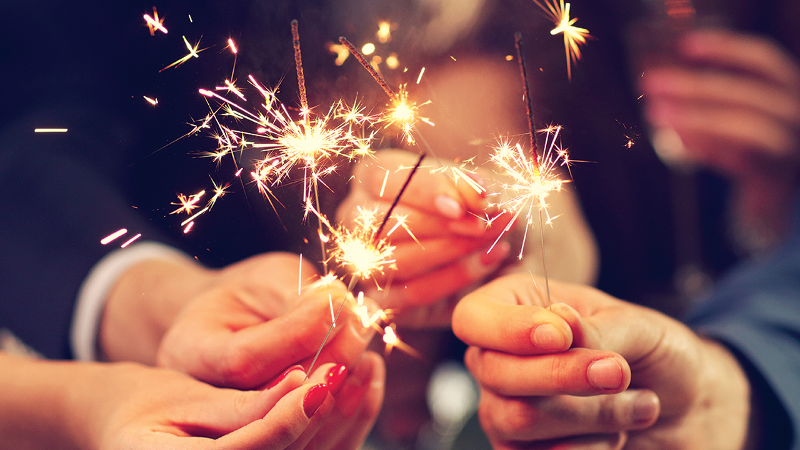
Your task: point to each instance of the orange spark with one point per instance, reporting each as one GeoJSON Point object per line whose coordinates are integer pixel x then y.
{"type": "Point", "coordinates": [574, 36]}
{"type": "Point", "coordinates": [154, 23]}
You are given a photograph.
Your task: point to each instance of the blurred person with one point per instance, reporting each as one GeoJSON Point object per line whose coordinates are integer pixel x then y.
{"type": "Point", "coordinates": [627, 376]}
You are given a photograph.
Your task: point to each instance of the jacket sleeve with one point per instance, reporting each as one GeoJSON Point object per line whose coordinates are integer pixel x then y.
{"type": "Point", "coordinates": [755, 311]}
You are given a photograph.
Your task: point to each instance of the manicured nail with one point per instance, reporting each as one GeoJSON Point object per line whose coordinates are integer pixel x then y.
{"type": "Point", "coordinates": [449, 207]}
{"type": "Point", "coordinates": [336, 377]}
{"type": "Point", "coordinates": [547, 337]}
{"type": "Point", "coordinates": [314, 399]}
{"type": "Point", "coordinates": [645, 407]}
{"type": "Point", "coordinates": [605, 374]}
{"type": "Point", "coordinates": [285, 374]}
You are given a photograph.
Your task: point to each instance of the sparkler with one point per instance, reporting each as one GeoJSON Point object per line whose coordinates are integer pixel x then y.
{"type": "Point", "coordinates": [403, 111]}
{"type": "Point", "coordinates": [574, 36]}
{"type": "Point", "coordinates": [365, 253]}
{"type": "Point", "coordinates": [532, 179]}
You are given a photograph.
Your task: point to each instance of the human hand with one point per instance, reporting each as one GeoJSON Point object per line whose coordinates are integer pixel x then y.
{"type": "Point", "coordinates": [124, 405]}
{"type": "Point", "coordinates": [733, 101]}
{"type": "Point", "coordinates": [238, 327]}
{"type": "Point", "coordinates": [595, 372]}
{"type": "Point", "coordinates": [445, 217]}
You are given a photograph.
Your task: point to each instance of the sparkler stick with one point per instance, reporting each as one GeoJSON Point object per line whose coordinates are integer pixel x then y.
{"type": "Point", "coordinates": [526, 94]}
{"type": "Point", "coordinates": [375, 238]}
{"type": "Point", "coordinates": [532, 131]}
{"type": "Point", "coordinates": [298, 63]}
{"type": "Point", "coordinates": [360, 58]}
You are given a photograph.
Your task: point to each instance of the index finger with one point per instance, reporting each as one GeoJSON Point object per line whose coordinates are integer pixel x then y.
{"type": "Point", "coordinates": [505, 316]}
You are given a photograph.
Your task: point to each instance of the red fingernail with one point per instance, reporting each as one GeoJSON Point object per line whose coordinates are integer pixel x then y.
{"type": "Point", "coordinates": [282, 376]}
{"type": "Point", "coordinates": [335, 377]}
{"type": "Point", "coordinates": [314, 398]}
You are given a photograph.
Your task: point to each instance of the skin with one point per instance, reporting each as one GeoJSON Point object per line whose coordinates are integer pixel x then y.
{"type": "Point", "coordinates": [601, 373]}
{"type": "Point", "coordinates": [70, 405]}
{"type": "Point", "coordinates": [233, 327]}
{"type": "Point", "coordinates": [237, 328]}
{"type": "Point", "coordinates": [734, 101]}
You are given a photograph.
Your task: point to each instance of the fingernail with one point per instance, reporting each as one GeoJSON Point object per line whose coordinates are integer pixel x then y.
{"type": "Point", "coordinates": [645, 407]}
{"type": "Point", "coordinates": [449, 207]}
{"type": "Point", "coordinates": [547, 337]}
{"type": "Point", "coordinates": [336, 377]}
{"type": "Point", "coordinates": [605, 374]}
{"type": "Point", "coordinates": [314, 399]}
{"type": "Point", "coordinates": [283, 376]}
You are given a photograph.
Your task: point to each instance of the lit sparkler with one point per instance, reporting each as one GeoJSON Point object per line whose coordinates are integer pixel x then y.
{"type": "Point", "coordinates": [574, 36]}
{"type": "Point", "coordinates": [531, 178]}
{"type": "Point", "coordinates": [403, 111]}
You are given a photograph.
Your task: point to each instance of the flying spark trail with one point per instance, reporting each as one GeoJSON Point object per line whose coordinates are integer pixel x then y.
{"type": "Point", "coordinates": [574, 36]}
{"type": "Point", "coordinates": [154, 23]}
{"type": "Point", "coordinates": [193, 53]}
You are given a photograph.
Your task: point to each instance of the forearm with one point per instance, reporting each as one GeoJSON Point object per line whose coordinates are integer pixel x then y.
{"type": "Point", "coordinates": [37, 409]}
{"type": "Point", "coordinates": [142, 305]}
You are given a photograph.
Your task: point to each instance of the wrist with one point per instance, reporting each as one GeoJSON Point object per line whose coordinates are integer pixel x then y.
{"type": "Point", "coordinates": [39, 404]}
{"type": "Point", "coordinates": [726, 398]}
{"type": "Point", "coordinates": [144, 302]}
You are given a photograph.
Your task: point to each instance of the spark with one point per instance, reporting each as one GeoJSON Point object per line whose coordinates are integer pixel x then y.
{"type": "Point", "coordinates": [193, 53]}
{"type": "Point", "coordinates": [131, 240]}
{"type": "Point", "coordinates": [113, 236]}
{"type": "Point", "coordinates": [232, 46]}
{"type": "Point", "coordinates": [188, 203]}
{"type": "Point", "coordinates": [230, 86]}
{"type": "Point", "coordinates": [530, 182]}
{"type": "Point", "coordinates": [359, 251]}
{"type": "Point", "coordinates": [574, 36]}
{"type": "Point", "coordinates": [152, 101]}
{"type": "Point", "coordinates": [49, 130]}
{"type": "Point", "coordinates": [154, 23]}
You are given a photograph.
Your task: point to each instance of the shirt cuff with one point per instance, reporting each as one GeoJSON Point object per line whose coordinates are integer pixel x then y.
{"type": "Point", "coordinates": [95, 288]}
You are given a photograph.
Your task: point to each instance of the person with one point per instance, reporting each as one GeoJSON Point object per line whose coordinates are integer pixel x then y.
{"type": "Point", "coordinates": [208, 326]}
{"type": "Point", "coordinates": [594, 371]}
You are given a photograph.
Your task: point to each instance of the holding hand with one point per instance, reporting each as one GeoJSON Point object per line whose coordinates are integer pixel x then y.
{"type": "Point", "coordinates": [123, 405]}
{"type": "Point", "coordinates": [734, 102]}
{"type": "Point", "coordinates": [594, 370]}
{"type": "Point", "coordinates": [446, 217]}
{"type": "Point", "coordinates": [237, 327]}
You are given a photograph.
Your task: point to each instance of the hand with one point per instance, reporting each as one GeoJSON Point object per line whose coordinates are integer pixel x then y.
{"type": "Point", "coordinates": [734, 102]}
{"type": "Point", "coordinates": [595, 370]}
{"type": "Point", "coordinates": [239, 327]}
{"type": "Point", "coordinates": [446, 219]}
{"type": "Point", "coordinates": [124, 405]}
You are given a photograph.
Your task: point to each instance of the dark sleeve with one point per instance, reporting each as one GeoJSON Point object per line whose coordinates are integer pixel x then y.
{"type": "Point", "coordinates": [756, 312]}
{"type": "Point", "coordinates": [54, 210]}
